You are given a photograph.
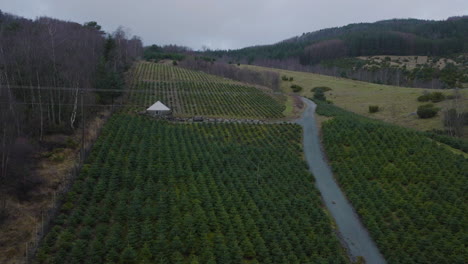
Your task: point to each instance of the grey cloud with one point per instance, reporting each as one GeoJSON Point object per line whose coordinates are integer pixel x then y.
{"type": "Point", "coordinates": [229, 23]}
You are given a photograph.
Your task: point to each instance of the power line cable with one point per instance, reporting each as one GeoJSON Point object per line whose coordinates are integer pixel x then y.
{"type": "Point", "coordinates": [128, 90]}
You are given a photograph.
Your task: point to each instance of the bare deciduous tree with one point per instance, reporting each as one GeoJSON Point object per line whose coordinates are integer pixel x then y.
{"type": "Point", "coordinates": [264, 78]}
{"type": "Point", "coordinates": [38, 58]}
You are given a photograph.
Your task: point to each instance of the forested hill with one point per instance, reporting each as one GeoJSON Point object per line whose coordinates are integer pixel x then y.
{"type": "Point", "coordinates": [389, 37]}
{"type": "Point", "coordinates": [47, 67]}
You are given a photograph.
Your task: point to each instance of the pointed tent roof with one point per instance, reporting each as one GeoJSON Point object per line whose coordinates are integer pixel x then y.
{"type": "Point", "coordinates": [158, 106]}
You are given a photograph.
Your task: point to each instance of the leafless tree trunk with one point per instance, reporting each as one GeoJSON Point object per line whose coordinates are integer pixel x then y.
{"type": "Point", "coordinates": [454, 115]}
{"type": "Point", "coordinates": [52, 29]}
{"type": "Point", "coordinates": [41, 112]}
{"type": "Point", "coordinates": [73, 114]}
{"type": "Point", "coordinates": [5, 152]}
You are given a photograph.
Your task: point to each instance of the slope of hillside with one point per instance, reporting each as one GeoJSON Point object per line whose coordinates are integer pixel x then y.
{"type": "Point", "coordinates": [45, 63]}
{"type": "Point", "coordinates": [409, 190]}
{"type": "Point", "coordinates": [191, 93]}
{"type": "Point", "coordinates": [152, 191]}
{"type": "Point", "coordinates": [393, 37]}
{"type": "Point", "coordinates": [398, 104]}
{"type": "Point", "coordinates": [431, 72]}
{"type": "Point", "coordinates": [323, 51]}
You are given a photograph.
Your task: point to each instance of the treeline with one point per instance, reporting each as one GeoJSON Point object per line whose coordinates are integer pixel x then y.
{"type": "Point", "coordinates": [309, 51]}
{"type": "Point", "coordinates": [264, 78]}
{"type": "Point", "coordinates": [422, 76]}
{"type": "Point", "coordinates": [44, 63]}
{"type": "Point", "coordinates": [370, 43]}
{"type": "Point", "coordinates": [170, 52]}
{"type": "Point", "coordinates": [396, 36]}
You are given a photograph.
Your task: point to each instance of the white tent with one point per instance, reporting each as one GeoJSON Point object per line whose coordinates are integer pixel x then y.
{"type": "Point", "coordinates": [158, 108]}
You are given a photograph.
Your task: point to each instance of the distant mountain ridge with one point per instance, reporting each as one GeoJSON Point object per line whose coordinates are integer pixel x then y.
{"type": "Point", "coordinates": [391, 37]}
{"type": "Point", "coordinates": [334, 52]}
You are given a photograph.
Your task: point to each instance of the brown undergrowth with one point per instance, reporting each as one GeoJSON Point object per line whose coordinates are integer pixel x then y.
{"type": "Point", "coordinates": [19, 232]}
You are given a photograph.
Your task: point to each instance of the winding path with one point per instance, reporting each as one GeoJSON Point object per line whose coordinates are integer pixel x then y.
{"type": "Point", "coordinates": [353, 234]}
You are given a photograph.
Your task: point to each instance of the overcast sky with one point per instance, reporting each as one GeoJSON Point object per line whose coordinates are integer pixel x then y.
{"type": "Point", "coordinates": [230, 24]}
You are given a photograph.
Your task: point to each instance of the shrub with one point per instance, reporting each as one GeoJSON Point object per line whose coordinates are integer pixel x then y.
{"type": "Point", "coordinates": [320, 95]}
{"type": "Point", "coordinates": [71, 143]}
{"type": "Point", "coordinates": [437, 97]}
{"type": "Point", "coordinates": [174, 63]}
{"type": "Point", "coordinates": [424, 98]}
{"type": "Point", "coordinates": [427, 111]}
{"type": "Point", "coordinates": [284, 78]}
{"type": "Point", "coordinates": [296, 88]}
{"type": "Point", "coordinates": [319, 92]}
{"type": "Point", "coordinates": [57, 157]}
{"type": "Point", "coordinates": [373, 108]}
{"type": "Point", "coordinates": [434, 97]}
{"type": "Point", "coordinates": [54, 155]}
{"type": "Point", "coordinates": [291, 79]}
{"type": "Point", "coordinates": [323, 88]}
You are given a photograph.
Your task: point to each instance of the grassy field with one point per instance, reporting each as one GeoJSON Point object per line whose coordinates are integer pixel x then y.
{"type": "Point", "coordinates": [398, 104]}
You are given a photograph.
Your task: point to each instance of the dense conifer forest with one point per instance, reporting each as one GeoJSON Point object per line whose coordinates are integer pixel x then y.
{"type": "Point", "coordinates": [388, 37]}
{"type": "Point", "coordinates": [332, 51]}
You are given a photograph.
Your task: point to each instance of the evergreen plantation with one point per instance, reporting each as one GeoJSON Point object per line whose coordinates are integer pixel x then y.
{"type": "Point", "coordinates": [154, 192]}
{"type": "Point", "coordinates": [190, 93]}
{"type": "Point", "coordinates": [159, 192]}
{"type": "Point", "coordinates": [88, 176]}
{"type": "Point", "coordinates": [409, 190]}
